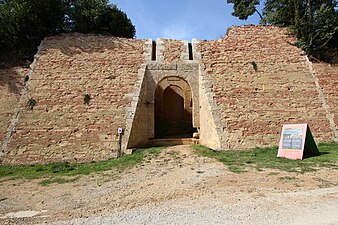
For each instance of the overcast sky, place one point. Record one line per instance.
(181, 19)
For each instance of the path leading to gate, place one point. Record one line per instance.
(177, 187)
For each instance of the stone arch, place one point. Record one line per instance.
(173, 108)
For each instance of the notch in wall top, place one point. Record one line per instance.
(153, 51)
(190, 51)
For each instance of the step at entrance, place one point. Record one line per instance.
(173, 141)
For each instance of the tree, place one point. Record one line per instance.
(279, 13)
(99, 17)
(314, 22)
(116, 22)
(24, 23)
(244, 9)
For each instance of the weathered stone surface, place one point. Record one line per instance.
(11, 84)
(61, 127)
(327, 75)
(255, 103)
(157, 66)
(243, 88)
(174, 51)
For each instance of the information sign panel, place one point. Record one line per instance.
(296, 142)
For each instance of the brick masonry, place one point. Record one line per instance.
(61, 127)
(234, 105)
(328, 81)
(11, 85)
(254, 104)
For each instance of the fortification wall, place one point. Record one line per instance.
(61, 127)
(327, 75)
(171, 51)
(243, 88)
(260, 81)
(11, 84)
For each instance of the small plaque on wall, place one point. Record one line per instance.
(296, 142)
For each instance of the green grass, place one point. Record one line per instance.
(237, 161)
(262, 158)
(56, 172)
(59, 180)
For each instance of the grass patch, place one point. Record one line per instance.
(154, 151)
(56, 172)
(59, 180)
(262, 158)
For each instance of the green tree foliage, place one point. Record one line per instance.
(24, 23)
(314, 22)
(244, 9)
(279, 13)
(99, 17)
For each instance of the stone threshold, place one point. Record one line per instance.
(172, 141)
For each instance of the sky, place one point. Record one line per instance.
(181, 19)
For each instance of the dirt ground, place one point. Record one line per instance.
(179, 183)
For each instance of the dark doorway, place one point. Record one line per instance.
(173, 104)
(172, 117)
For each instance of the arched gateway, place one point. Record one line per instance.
(173, 108)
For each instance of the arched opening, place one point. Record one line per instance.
(173, 109)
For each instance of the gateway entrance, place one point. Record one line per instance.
(173, 109)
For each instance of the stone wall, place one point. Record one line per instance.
(61, 127)
(155, 73)
(244, 87)
(210, 133)
(261, 81)
(171, 51)
(11, 85)
(327, 75)
(138, 121)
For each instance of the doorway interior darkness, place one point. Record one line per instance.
(173, 111)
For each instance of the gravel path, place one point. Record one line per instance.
(318, 207)
(177, 187)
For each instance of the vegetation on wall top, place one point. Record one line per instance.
(315, 23)
(24, 23)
